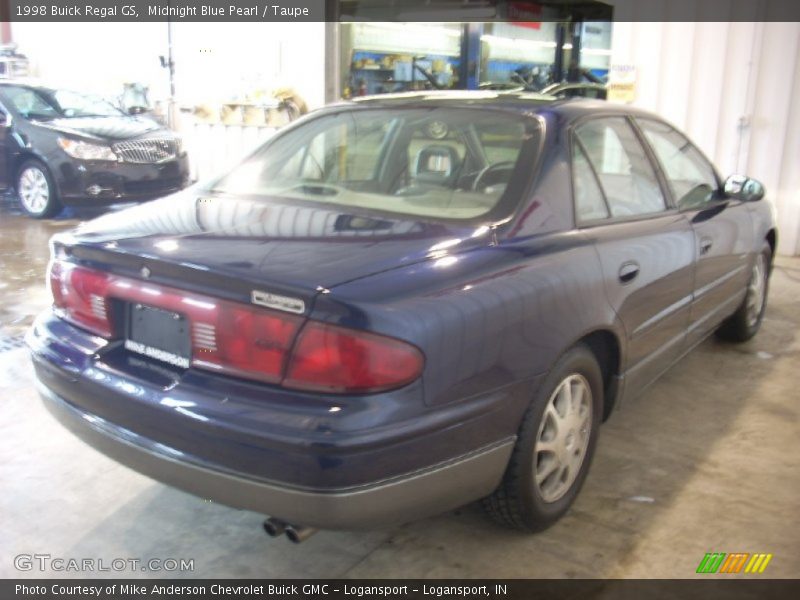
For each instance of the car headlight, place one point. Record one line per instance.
(85, 150)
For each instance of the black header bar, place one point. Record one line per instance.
(722, 587)
(397, 10)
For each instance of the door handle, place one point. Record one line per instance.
(705, 245)
(628, 271)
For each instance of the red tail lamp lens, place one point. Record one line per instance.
(333, 359)
(250, 342)
(243, 340)
(80, 294)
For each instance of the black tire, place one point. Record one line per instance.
(52, 205)
(518, 501)
(744, 324)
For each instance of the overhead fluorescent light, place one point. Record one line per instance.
(516, 42)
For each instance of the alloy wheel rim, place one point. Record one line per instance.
(34, 191)
(756, 291)
(563, 438)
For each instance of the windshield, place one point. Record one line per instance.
(435, 162)
(34, 103)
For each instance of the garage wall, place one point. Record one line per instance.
(734, 87)
(217, 61)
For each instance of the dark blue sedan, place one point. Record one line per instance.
(400, 305)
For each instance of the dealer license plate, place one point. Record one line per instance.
(159, 334)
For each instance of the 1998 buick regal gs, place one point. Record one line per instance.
(400, 305)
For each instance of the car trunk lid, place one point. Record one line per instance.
(235, 247)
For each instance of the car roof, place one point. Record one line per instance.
(511, 101)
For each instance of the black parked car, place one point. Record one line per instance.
(59, 147)
(402, 304)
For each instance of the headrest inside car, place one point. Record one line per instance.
(437, 164)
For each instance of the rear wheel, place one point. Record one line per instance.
(36, 192)
(746, 321)
(554, 447)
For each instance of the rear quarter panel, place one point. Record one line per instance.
(485, 319)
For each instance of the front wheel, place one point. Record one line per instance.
(554, 447)
(746, 321)
(36, 192)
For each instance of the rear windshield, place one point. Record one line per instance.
(432, 162)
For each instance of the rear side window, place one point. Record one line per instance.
(626, 174)
(691, 177)
(589, 202)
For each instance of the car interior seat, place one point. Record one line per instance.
(436, 165)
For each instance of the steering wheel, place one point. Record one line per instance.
(504, 167)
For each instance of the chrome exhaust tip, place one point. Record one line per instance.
(298, 534)
(274, 527)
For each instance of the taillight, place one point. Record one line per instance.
(81, 296)
(243, 340)
(333, 359)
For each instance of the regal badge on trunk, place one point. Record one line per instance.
(284, 303)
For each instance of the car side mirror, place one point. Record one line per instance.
(744, 188)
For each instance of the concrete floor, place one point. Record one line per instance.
(706, 461)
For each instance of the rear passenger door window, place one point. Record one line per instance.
(625, 173)
(691, 177)
(590, 204)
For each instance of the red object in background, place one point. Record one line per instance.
(519, 14)
(529, 24)
(5, 32)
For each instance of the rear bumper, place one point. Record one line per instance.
(425, 492)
